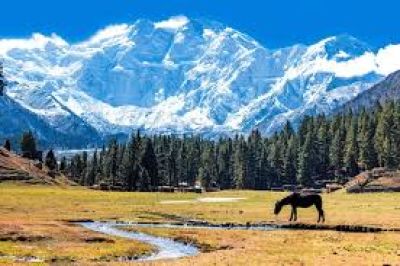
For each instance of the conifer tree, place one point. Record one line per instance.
(290, 161)
(50, 160)
(150, 165)
(7, 145)
(305, 168)
(368, 157)
(28, 145)
(351, 155)
(323, 143)
(63, 164)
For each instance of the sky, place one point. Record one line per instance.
(273, 23)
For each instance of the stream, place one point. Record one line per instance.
(166, 248)
(169, 249)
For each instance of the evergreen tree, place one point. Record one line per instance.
(351, 159)
(368, 157)
(306, 160)
(7, 145)
(150, 165)
(50, 160)
(239, 165)
(63, 164)
(336, 151)
(145, 182)
(129, 165)
(290, 161)
(323, 143)
(91, 174)
(28, 145)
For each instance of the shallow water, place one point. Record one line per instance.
(166, 248)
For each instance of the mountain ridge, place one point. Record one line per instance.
(386, 90)
(185, 75)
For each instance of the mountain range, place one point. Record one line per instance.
(177, 76)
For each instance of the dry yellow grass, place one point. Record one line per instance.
(287, 247)
(43, 210)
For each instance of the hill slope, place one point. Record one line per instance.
(388, 89)
(16, 168)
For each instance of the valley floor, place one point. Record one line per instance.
(35, 225)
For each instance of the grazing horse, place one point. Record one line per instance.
(301, 201)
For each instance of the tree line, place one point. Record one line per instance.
(322, 148)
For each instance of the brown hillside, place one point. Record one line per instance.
(16, 168)
(378, 180)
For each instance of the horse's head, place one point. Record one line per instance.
(278, 207)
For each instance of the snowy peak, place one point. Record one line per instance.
(343, 47)
(186, 75)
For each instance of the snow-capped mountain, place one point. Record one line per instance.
(184, 75)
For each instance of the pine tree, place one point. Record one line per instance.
(266, 172)
(207, 170)
(50, 160)
(150, 164)
(63, 164)
(290, 161)
(336, 151)
(351, 155)
(7, 145)
(322, 155)
(275, 157)
(368, 156)
(382, 135)
(389, 153)
(144, 182)
(306, 160)
(239, 165)
(28, 145)
(129, 165)
(91, 174)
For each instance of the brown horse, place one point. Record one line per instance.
(302, 201)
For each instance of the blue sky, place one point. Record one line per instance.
(273, 23)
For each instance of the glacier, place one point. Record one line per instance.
(180, 76)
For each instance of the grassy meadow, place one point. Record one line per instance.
(34, 222)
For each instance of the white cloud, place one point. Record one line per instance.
(109, 33)
(173, 23)
(37, 41)
(388, 59)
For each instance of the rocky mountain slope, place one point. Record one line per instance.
(179, 76)
(14, 168)
(388, 89)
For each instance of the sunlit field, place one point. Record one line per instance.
(36, 221)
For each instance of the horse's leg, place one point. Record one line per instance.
(291, 215)
(320, 212)
(295, 213)
(323, 215)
